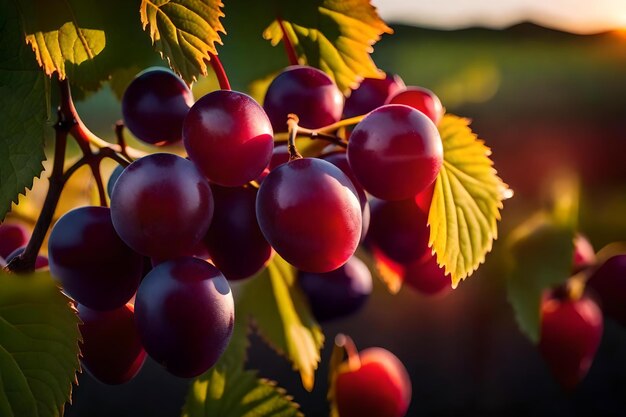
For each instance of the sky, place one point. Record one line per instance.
(580, 16)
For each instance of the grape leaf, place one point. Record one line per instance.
(184, 32)
(56, 36)
(335, 36)
(38, 346)
(282, 317)
(466, 202)
(24, 101)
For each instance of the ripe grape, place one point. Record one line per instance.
(229, 137)
(234, 240)
(427, 277)
(113, 179)
(372, 93)
(337, 293)
(609, 283)
(12, 236)
(40, 262)
(155, 104)
(570, 335)
(309, 212)
(280, 155)
(184, 312)
(421, 99)
(307, 92)
(111, 349)
(395, 152)
(92, 263)
(399, 229)
(161, 205)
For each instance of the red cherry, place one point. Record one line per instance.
(570, 335)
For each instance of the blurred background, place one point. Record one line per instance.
(545, 85)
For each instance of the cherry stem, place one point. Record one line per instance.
(354, 361)
(289, 49)
(220, 73)
(292, 124)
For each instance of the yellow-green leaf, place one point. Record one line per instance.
(38, 346)
(184, 32)
(335, 36)
(466, 202)
(282, 317)
(56, 36)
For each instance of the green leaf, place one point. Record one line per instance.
(466, 203)
(335, 36)
(278, 308)
(57, 36)
(38, 346)
(184, 32)
(24, 103)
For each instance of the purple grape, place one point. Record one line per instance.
(371, 94)
(609, 283)
(395, 152)
(113, 179)
(229, 137)
(307, 92)
(309, 212)
(92, 263)
(111, 349)
(337, 293)
(12, 236)
(234, 241)
(184, 312)
(161, 206)
(155, 104)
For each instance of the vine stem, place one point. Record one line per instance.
(289, 49)
(220, 73)
(292, 124)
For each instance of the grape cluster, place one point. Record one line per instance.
(179, 228)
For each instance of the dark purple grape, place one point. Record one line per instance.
(229, 137)
(337, 293)
(609, 283)
(92, 263)
(12, 236)
(280, 155)
(395, 152)
(155, 104)
(234, 241)
(371, 94)
(111, 349)
(113, 179)
(399, 229)
(309, 212)
(340, 160)
(161, 206)
(421, 99)
(307, 92)
(184, 312)
(40, 262)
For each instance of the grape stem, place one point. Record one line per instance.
(292, 125)
(311, 134)
(68, 123)
(343, 341)
(220, 72)
(289, 49)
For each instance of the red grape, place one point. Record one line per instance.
(234, 240)
(372, 93)
(161, 205)
(184, 312)
(92, 263)
(307, 92)
(421, 99)
(570, 335)
(427, 277)
(229, 137)
(155, 104)
(395, 152)
(12, 236)
(309, 212)
(400, 230)
(111, 349)
(337, 293)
